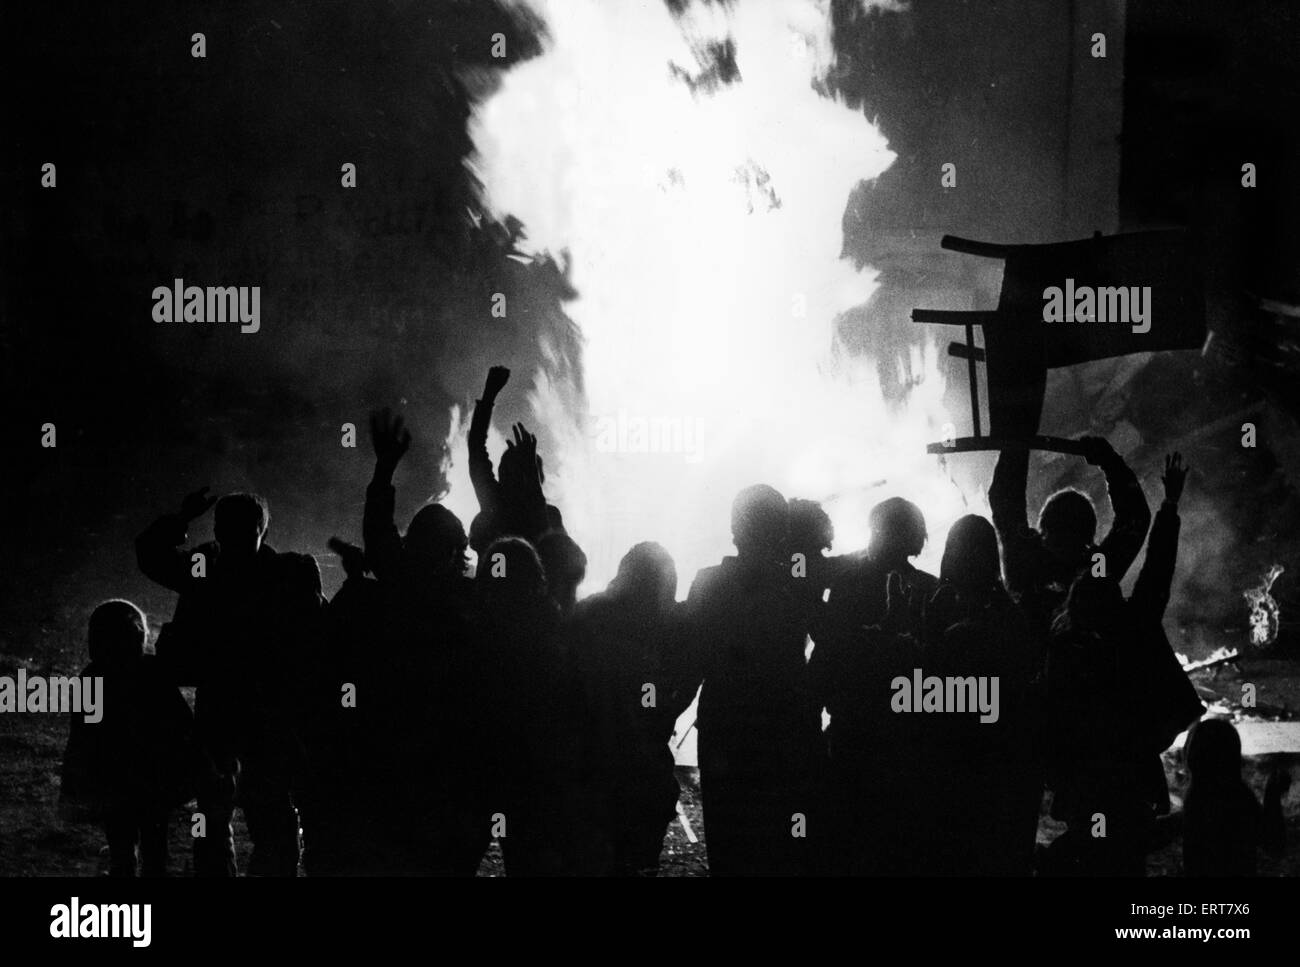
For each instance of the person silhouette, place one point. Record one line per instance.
(758, 729)
(623, 638)
(566, 568)
(246, 617)
(1041, 564)
(425, 804)
(530, 714)
(989, 771)
(1223, 823)
(1117, 698)
(857, 597)
(139, 762)
(511, 502)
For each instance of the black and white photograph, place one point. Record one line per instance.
(848, 443)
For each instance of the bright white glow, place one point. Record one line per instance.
(704, 233)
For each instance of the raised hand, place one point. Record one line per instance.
(352, 557)
(1174, 477)
(521, 468)
(520, 442)
(389, 437)
(196, 504)
(497, 378)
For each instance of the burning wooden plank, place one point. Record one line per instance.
(1221, 657)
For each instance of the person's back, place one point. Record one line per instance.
(985, 766)
(621, 638)
(341, 728)
(1101, 741)
(423, 755)
(244, 612)
(246, 619)
(529, 712)
(755, 650)
(857, 594)
(1221, 831)
(138, 762)
(422, 676)
(1040, 563)
(757, 726)
(873, 763)
(566, 568)
(1223, 824)
(982, 764)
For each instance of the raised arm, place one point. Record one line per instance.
(480, 464)
(1007, 501)
(1151, 592)
(383, 544)
(523, 505)
(1132, 514)
(160, 550)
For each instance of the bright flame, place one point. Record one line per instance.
(702, 224)
(1265, 615)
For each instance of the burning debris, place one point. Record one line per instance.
(1219, 658)
(1265, 615)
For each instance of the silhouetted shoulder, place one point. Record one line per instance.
(596, 608)
(150, 670)
(710, 578)
(298, 570)
(924, 581)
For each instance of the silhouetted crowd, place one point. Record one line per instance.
(422, 713)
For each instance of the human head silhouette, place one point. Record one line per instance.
(1213, 752)
(760, 523)
(511, 575)
(811, 530)
(565, 565)
(647, 577)
(1068, 523)
(435, 543)
(239, 523)
(117, 633)
(897, 531)
(480, 532)
(970, 554)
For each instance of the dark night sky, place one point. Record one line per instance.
(226, 170)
